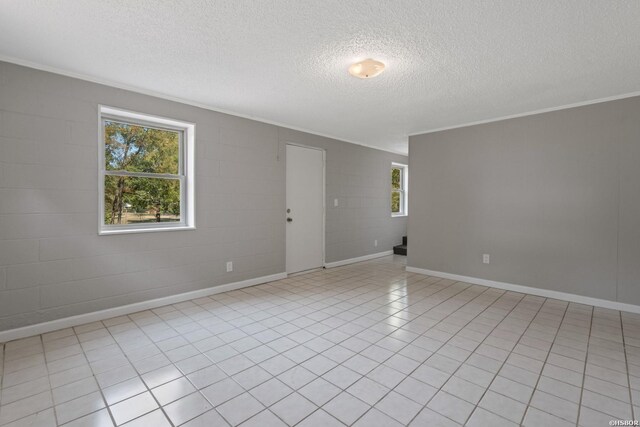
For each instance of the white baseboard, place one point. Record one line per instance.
(67, 322)
(580, 299)
(358, 259)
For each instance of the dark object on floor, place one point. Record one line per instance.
(401, 249)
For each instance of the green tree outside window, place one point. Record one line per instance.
(146, 150)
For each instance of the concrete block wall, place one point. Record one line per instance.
(53, 264)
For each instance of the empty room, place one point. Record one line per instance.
(267, 213)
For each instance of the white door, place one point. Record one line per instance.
(305, 208)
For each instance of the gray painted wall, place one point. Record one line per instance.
(554, 198)
(53, 264)
(360, 180)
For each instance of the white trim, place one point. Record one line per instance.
(357, 259)
(67, 322)
(186, 170)
(131, 88)
(547, 293)
(531, 113)
(117, 113)
(404, 190)
(147, 230)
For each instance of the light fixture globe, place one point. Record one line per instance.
(366, 69)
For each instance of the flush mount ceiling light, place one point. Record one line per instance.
(366, 69)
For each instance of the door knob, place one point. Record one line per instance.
(289, 219)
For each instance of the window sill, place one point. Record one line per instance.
(144, 230)
(399, 215)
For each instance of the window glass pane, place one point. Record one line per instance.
(396, 178)
(395, 202)
(136, 148)
(133, 200)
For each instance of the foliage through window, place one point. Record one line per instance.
(398, 190)
(144, 179)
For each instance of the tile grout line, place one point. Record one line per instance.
(52, 407)
(432, 327)
(505, 362)
(579, 360)
(46, 365)
(93, 375)
(471, 353)
(335, 305)
(169, 326)
(584, 372)
(229, 343)
(544, 364)
(466, 359)
(148, 390)
(320, 407)
(163, 352)
(445, 343)
(370, 343)
(626, 363)
(142, 330)
(320, 336)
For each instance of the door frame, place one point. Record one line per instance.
(324, 199)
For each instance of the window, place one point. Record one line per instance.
(398, 189)
(146, 173)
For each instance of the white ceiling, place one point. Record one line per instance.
(285, 61)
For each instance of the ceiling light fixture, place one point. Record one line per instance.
(366, 69)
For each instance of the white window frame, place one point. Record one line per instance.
(186, 172)
(404, 193)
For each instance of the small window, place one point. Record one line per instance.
(398, 189)
(146, 173)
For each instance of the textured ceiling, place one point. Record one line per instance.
(448, 62)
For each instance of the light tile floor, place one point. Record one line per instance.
(364, 345)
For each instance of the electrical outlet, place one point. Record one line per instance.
(486, 259)
(229, 267)
(375, 243)
(335, 202)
